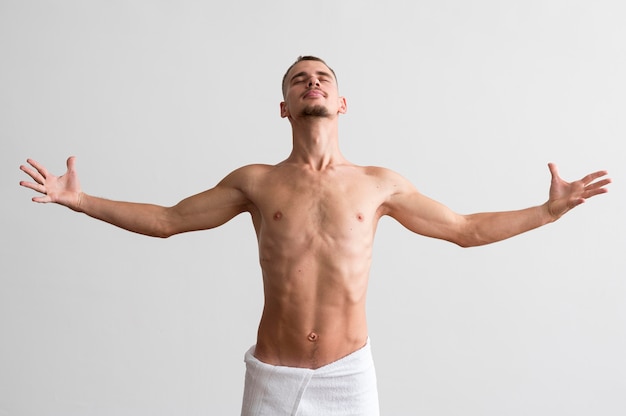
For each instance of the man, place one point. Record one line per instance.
(315, 215)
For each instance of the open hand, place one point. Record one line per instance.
(567, 195)
(64, 190)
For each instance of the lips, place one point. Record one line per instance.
(313, 94)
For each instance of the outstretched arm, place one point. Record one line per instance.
(427, 217)
(208, 209)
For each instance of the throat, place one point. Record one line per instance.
(317, 157)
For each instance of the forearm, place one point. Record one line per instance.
(490, 227)
(147, 219)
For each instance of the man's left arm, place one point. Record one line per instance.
(425, 216)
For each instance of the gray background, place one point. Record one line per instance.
(160, 100)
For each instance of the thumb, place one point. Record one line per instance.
(71, 162)
(554, 171)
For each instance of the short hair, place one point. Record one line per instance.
(305, 58)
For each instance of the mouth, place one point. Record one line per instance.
(313, 94)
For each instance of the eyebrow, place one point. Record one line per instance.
(303, 74)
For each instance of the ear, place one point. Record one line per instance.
(284, 112)
(343, 105)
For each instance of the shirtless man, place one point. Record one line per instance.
(315, 215)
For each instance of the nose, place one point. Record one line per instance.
(313, 82)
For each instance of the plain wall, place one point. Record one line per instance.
(159, 100)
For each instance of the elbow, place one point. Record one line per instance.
(472, 241)
(468, 235)
(462, 244)
(468, 244)
(156, 233)
(164, 227)
(163, 235)
(465, 243)
(469, 239)
(164, 231)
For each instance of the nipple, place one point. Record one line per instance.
(278, 215)
(359, 217)
(313, 337)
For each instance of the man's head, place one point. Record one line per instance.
(310, 90)
(305, 58)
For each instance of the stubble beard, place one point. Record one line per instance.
(315, 111)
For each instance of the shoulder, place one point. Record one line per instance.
(396, 190)
(253, 169)
(245, 174)
(387, 177)
(390, 187)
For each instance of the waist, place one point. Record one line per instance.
(309, 344)
(361, 354)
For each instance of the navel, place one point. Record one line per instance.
(278, 215)
(313, 337)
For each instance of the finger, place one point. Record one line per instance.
(593, 192)
(29, 185)
(71, 162)
(593, 176)
(40, 168)
(599, 184)
(34, 186)
(41, 199)
(32, 173)
(554, 171)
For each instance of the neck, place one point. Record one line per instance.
(315, 142)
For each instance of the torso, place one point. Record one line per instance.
(315, 232)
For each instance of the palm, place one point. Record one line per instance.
(567, 195)
(63, 189)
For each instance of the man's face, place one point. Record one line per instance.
(311, 91)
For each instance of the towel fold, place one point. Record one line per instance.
(346, 387)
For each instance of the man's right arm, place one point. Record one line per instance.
(205, 210)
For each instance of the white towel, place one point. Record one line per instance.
(344, 387)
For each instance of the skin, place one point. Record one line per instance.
(315, 216)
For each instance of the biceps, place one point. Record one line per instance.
(207, 210)
(427, 217)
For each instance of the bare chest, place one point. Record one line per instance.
(326, 204)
